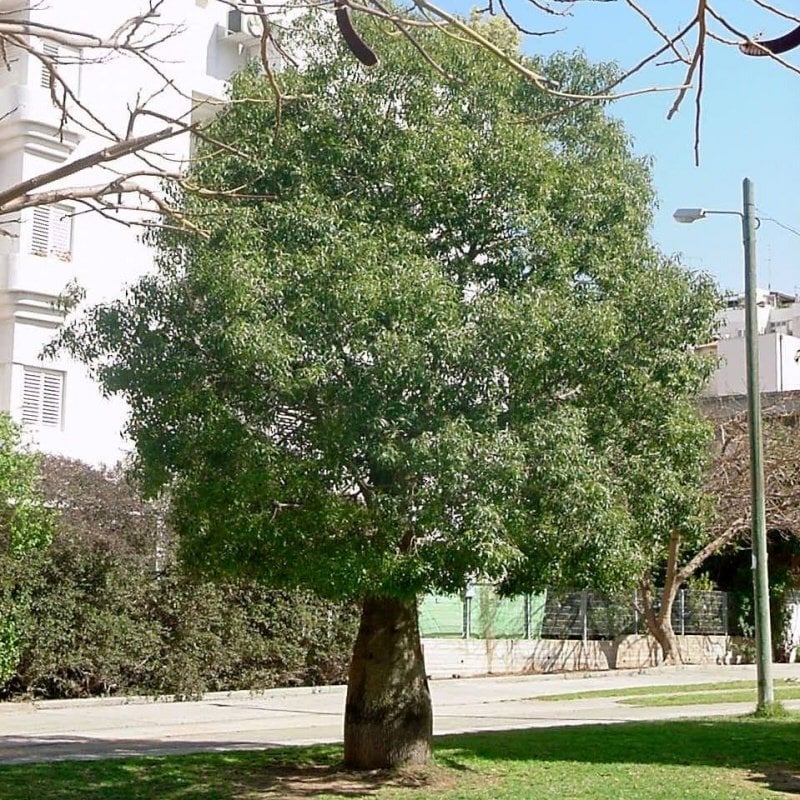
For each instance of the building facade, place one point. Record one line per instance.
(778, 346)
(45, 249)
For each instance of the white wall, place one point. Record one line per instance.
(778, 369)
(105, 255)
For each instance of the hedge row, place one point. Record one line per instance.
(105, 609)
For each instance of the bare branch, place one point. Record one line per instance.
(113, 152)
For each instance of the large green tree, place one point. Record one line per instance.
(427, 349)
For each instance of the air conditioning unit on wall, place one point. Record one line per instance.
(242, 28)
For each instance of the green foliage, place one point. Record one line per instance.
(100, 626)
(25, 528)
(99, 618)
(774, 710)
(447, 349)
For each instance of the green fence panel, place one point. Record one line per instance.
(493, 617)
(536, 613)
(441, 615)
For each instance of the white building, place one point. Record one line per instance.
(778, 345)
(50, 246)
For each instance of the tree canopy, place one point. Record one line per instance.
(437, 342)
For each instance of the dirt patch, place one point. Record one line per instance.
(301, 782)
(785, 781)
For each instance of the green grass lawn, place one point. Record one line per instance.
(705, 698)
(639, 691)
(688, 694)
(714, 759)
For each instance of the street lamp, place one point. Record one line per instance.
(766, 694)
(689, 214)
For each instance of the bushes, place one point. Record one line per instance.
(101, 618)
(115, 628)
(25, 528)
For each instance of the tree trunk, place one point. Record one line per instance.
(660, 625)
(388, 719)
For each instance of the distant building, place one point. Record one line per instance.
(47, 247)
(778, 345)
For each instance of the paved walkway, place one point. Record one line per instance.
(115, 727)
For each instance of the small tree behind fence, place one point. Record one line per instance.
(480, 613)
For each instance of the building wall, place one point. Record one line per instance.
(104, 255)
(779, 365)
(778, 347)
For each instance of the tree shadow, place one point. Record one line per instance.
(237, 774)
(764, 752)
(769, 752)
(779, 780)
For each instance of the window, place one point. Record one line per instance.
(51, 51)
(42, 397)
(66, 61)
(778, 327)
(51, 232)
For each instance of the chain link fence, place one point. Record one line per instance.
(481, 613)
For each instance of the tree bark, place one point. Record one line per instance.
(388, 720)
(660, 625)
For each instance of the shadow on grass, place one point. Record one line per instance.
(768, 750)
(287, 773)
(779, 780)
(764, 751)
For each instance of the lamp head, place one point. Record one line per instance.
(687, 215)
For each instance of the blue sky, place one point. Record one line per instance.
(750, 128)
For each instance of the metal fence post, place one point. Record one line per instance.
(683, 612)
(584, 616)
(467, 610)
(725, 613)
(527, 606)
(636, 611)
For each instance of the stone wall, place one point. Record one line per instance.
(446, 658)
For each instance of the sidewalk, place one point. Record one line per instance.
(117, 727)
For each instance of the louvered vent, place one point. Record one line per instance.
(42, 397)
(61, 232)
(51, 232)
(51, 51)
(40, 235)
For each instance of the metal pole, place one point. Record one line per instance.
(766, 694)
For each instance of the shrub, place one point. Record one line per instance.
(110, 611)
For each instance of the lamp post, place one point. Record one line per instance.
(766, 694)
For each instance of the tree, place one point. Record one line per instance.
(719, 477)
(677, 519)
(121, 174)
(25, 526)
(58, 51)
(124, 146)
(427, 361)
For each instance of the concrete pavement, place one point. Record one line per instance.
(117, 727)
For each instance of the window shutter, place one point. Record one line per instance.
(31, 394)
(51, 232)
(61, 232)
(52, 391)
(42, 397)
(40, 236)
(67, 62)
(50, 50)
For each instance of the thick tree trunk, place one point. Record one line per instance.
(660, 624)
(388, 718)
